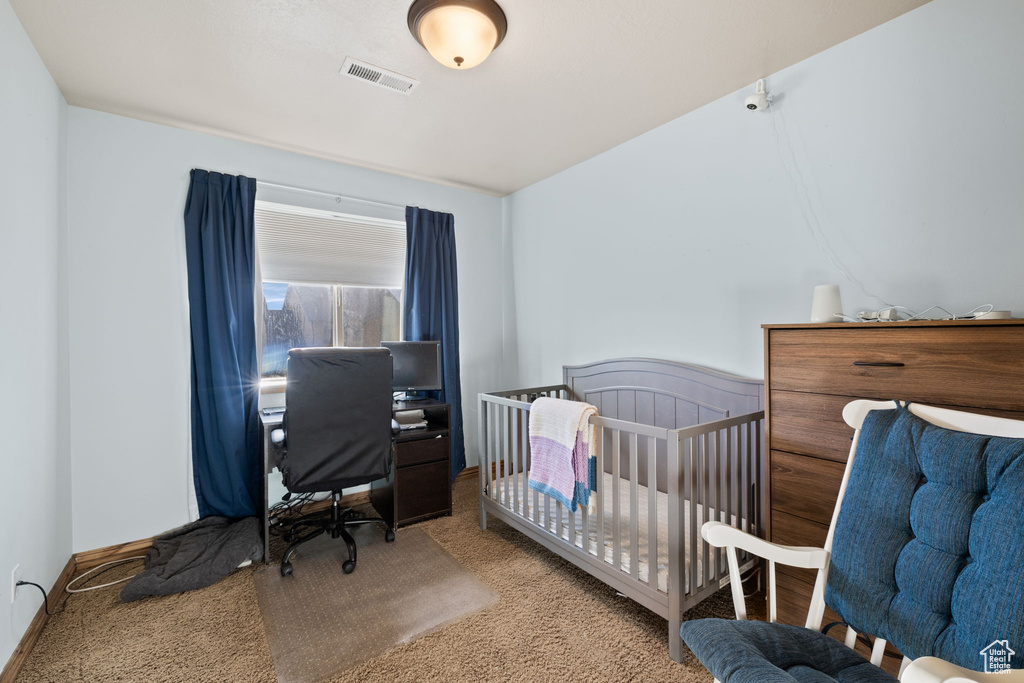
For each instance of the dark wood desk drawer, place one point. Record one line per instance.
(957, 366)
(423, 490)
(421, 451)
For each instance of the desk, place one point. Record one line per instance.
(419, 486)
(271, 454)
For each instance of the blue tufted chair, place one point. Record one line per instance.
(925, 550)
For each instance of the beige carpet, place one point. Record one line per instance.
(552, 622)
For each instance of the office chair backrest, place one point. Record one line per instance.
(337, 418)
(928, 538)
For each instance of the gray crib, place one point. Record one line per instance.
(677, 445)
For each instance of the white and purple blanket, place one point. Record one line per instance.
(562, 450)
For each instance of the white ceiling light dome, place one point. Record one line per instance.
(458, 33)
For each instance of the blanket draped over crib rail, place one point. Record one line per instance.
(562, 442)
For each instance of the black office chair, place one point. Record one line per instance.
(336, 434)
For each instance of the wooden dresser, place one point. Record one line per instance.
(812, 371)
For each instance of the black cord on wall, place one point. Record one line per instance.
(46, 600)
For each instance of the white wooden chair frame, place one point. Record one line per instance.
(922, 670)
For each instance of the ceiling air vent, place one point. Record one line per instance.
(378, 76)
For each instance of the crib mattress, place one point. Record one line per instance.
(608, 554)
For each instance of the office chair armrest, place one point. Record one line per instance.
(721, 535)
(277, 437)
(935, 670)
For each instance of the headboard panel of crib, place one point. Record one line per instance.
(662, 394)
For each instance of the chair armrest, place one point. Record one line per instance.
(935, 670)
(720, 534)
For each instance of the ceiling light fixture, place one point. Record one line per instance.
(458, 33)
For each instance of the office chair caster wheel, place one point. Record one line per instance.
(348, 566)
(389, 536)
(286, 569)
(289, 537)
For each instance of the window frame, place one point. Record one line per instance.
(277, 385)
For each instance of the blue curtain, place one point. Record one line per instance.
(219, 243)
(432, 306)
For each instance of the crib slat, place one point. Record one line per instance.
(652, 512)
(749, 478)
(496, 455)
(634, 507)
(743, 505)
(485, 438)
(558, 518)
(616, 512)
(499, 464)
(700, 481)
(485, 450)
(502, 439)
(675, 496)
(721, 489)
(492, 480)
(570, 522)
(525, 430)
(753, 474)
(730, 477)
(757, 461)
(499, 480)
(536, 506)
(692, 477)
(514, 417)
(547, 514)
(506, 460)
(710, 504)
(600, 493)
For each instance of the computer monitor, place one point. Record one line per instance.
(417, 365)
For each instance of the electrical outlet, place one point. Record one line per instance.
(15, 578)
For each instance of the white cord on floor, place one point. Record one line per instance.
(78, 578)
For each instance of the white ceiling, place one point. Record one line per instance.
(573, 78)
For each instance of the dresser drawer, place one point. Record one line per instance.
(420, 451)
(810, 424)
(788, 529)
(958, 366)
(804, 486)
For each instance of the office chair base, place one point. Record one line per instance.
(335, 524)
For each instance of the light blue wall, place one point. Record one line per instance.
(905, 142)
(129, 314)
(35, 488)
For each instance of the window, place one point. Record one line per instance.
(299, 315)
(329, 279)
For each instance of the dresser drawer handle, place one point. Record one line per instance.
(879, 364)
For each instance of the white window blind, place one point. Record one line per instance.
(312, 246)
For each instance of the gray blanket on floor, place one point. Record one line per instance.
(195, 556)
